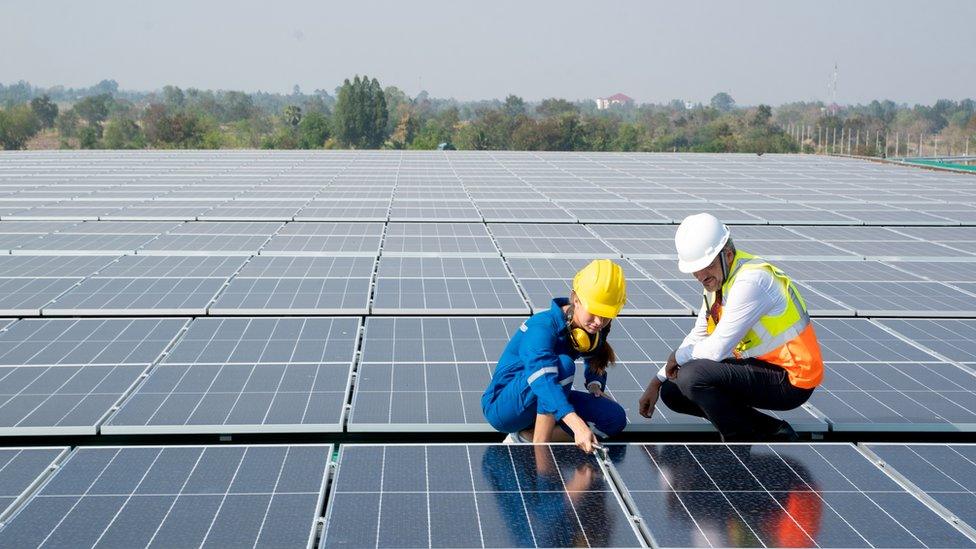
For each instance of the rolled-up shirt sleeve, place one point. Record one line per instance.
(754, 294)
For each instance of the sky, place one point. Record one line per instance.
(758, 51)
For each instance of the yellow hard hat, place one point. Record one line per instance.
(601, 288)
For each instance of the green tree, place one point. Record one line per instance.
(123, 133)
(293, 115)
(67, 123)
(17, 126)
(184, 130)
(722, 102)
(88, 136)
(361, 114)
(762, 116)
(555, 107)
(514, 106)
(237, 106)
(45, 109)
(313, 131)
(173, 97)
(94, 108)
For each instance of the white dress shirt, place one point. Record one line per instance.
(754, 293)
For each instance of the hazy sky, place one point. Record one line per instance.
(758, 51)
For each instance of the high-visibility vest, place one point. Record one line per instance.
(787, 339)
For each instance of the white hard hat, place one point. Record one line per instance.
(699, 239)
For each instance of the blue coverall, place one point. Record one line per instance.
(535, 376)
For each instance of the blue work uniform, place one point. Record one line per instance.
(535, 376)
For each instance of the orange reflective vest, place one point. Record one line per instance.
(786, 339)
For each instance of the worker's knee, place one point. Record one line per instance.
(671, 395)
(612, 418)
(696, 375)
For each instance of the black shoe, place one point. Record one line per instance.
(784, 433)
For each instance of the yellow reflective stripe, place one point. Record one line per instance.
(771, 343)
(774, 331)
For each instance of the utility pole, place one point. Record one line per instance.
(896, 145)
(908, 144)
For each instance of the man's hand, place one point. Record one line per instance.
(648, 400)
(671, 367)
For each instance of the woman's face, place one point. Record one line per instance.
(592, 324)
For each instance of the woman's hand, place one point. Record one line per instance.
(648, 400)
(583, 437)
(594, 389)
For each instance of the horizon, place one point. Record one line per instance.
(759, 51)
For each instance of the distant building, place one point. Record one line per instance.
(603, 103)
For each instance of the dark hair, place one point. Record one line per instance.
(603, 356)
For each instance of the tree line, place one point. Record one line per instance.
(362, 114)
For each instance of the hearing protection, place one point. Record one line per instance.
(581, 340)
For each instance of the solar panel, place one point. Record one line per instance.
(427, 374)
(26, 296)
(247, 375)
(186, 266)
(438, 240)
(345, 210)
(178, 496)
(407, 285)
(21, 470)
(941, 473)
(899, 298)
(773, 496)
(204, 244)
(244, 210)
(242, 228)
(257, 296)
(50, 266)
(620, 211)
(64, 376)
(474, 496)
(951, 338)
(940, 271)
(861, 340)
(433, 210)
(851, 271)
(328, 239)
(137, 296)
(83, 244)
(886, 396)
(523, 211)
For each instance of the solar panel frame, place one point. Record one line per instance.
(351, 501)
(82, 523)
(41, 461)
(737, 485)
(117, 296)
(936, 473)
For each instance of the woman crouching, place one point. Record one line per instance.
(531, 393)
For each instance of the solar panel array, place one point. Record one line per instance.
(222, 293)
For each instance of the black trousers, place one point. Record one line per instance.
(728, 393)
